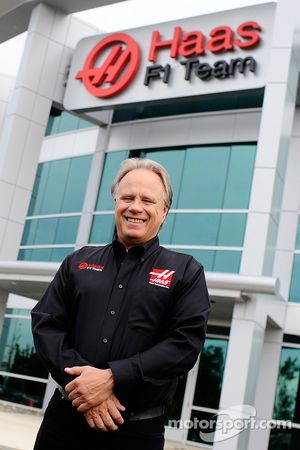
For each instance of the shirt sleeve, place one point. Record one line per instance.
(50, 319)
(178, 350)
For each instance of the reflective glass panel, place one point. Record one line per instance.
(102, 229)
(166, 232)
(295, 280)
(75, 185)
(44, 254)
(62, 121)
(232, 230)
(60, 186)
(62, 230)
(173, 161)
(55, 187)
(216, 260)
(227, 261)
(17, 353)
(210, 373)
(204, 177)
(201, 427)
(35, 254)
(284, 439)
(25, 392)
(209, 229)
(239, 177)
(197, 229)
(287, 401)
(111, 166)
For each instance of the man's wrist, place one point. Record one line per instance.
(110, 379)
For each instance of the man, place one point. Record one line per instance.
(118, 325)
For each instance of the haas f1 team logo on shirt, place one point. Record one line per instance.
(161, 277)
(86, 266)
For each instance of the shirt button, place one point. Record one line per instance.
(120, 286)
(112, 312)
(104, 340)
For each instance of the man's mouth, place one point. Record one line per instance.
(134, 220)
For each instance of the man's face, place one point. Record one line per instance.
(140, 207)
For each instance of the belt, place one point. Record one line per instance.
(149, 413)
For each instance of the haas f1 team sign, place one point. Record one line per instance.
(214, 53)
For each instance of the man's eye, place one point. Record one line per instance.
(148, 201)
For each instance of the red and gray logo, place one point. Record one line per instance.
(120, 61)
(161, 277)
(87, 266)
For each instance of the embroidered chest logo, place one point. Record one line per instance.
(161, 277)
(87, 266)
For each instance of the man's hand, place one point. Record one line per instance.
(90, 388)
(106, 417)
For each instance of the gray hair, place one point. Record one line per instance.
(136, 163)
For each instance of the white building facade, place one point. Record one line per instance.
(218, 105)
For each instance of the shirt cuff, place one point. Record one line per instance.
(126, 372)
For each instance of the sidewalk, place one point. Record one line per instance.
(18, 429)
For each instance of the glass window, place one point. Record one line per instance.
(287, 400)
(110, 169)
(39, 188)
(17, 353)
(60, 186)
(287, 439)
(56, 230)
(102, 229)
(66, 230)
(253, 99)
(295, 280)
(75, 185)
(44, 254)
(18, 311)
(54, 187)
(35, 254)
(232, 230)
(203, 425)
(227, 261)
(198, 229)
(62, 121)
(239, 177)
(210, 373)
(165, 233)
(209, 229)
(26, 392)
(173, 161)
(204, 177)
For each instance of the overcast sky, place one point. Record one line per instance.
(127, 14)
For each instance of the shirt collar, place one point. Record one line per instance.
(141, 250)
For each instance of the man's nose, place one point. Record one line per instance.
(136, 205)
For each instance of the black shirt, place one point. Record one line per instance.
(143, 313)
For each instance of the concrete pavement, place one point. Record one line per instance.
(18, 429)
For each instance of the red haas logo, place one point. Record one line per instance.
(161, 277)
(118, 68)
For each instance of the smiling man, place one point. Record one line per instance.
(119, 324)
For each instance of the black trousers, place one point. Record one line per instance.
(64, 428)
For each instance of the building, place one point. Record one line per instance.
(219, 106)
